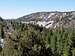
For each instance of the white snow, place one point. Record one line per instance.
(1, 43)
(1, 40)
(24, 22)
(45, 24)
(50, 25)
(51, 15)
(50, 22)
(41, 23)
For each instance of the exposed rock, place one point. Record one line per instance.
(65, 19)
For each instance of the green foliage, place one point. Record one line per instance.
(32, 40)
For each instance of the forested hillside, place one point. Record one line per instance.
(38, 34)
(32, 40)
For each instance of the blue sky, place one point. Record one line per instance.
(17, 8)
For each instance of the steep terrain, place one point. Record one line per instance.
(50, 19)
(25, 37)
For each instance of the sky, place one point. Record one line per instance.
(10, 9)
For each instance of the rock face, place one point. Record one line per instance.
(50, 19)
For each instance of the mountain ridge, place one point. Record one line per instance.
(51, 19)
(58, 18)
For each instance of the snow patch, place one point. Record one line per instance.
(51, 15)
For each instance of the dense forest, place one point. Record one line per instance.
(32, 40)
